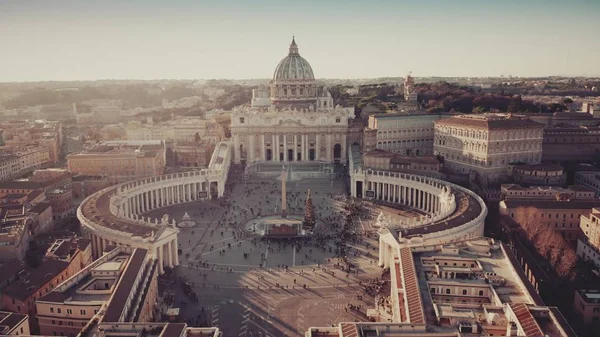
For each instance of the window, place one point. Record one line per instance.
(480, 292)
(53, 322)
(69, 311)
(242, 120)
(58, 310)
(464, 292)
(82, 311)
(337, 120)
(448, 291)
(51, 309)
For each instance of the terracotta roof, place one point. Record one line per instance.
(173, 330)
(411, 287)
(489, 123)
(349, 330)
(526, 320)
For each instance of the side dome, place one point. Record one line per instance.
(293, 67)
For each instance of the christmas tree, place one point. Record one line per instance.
(309, 212)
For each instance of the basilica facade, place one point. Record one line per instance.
(294, 120)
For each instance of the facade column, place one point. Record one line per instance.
(329, 148)
(273, 149)
(263, 156)
(277, 146)
(344, 148)
(285, 152)
(295, 147)
(250, 152)
(237, 155)
(317, 147)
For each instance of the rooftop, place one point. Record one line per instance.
(31, 280)
(590, 296)
(9, 321)
(119, 298)
(490, 122)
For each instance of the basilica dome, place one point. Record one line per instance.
(293, 67)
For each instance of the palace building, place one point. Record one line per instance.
(296, 121)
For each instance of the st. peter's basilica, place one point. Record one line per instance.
(295, 121)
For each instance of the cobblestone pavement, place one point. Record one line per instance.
(253, 287)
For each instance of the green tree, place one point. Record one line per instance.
(309, 213)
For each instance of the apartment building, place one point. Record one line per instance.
(120, 160)
(407, 133)
(560, 209)
(485, 145)
(121, 286)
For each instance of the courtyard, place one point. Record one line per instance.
(249, 285)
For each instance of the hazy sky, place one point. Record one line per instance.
(134, 39)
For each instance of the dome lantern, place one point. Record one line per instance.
(293, 46)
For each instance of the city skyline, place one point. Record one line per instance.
(81, 40)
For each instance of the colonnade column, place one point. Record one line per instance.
(174, 253)
(167, 247)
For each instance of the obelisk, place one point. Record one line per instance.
(283, 192)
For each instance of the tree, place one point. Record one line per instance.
(309, 212)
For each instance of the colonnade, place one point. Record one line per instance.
(405, 195)
(165, 196)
